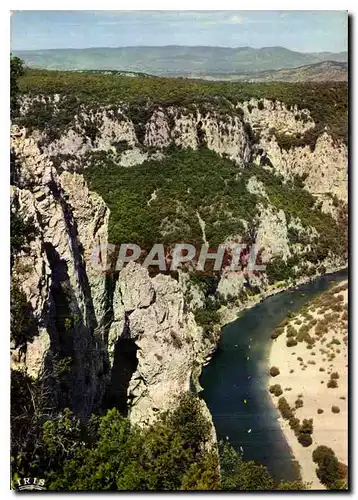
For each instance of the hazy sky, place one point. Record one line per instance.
(306, 31)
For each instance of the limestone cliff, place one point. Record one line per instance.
(133, 339)
(146, 318)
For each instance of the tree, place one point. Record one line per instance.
(237, 475)
(16, 71)
(320, 452)
(22, 231)
(292, 486)
(22, 322)
(330, 472)
(305, 439)
(108, 453)
(204, 475)
(274, 371)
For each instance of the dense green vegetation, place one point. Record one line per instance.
(330, 472)
(108, 453)
(328, 102)
(169, 455)
(187, 183)
(16, 71)
(23, 326)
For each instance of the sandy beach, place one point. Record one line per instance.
(316, 361)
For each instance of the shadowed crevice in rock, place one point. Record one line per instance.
(124, 365)
(79, 262)
(76, 357)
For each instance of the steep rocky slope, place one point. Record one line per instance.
(102, 315)
(131, 339)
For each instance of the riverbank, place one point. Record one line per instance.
(231, 313)
(235, 381)
(228, 314)
(311, 355)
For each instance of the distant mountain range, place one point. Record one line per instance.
(174, 60)
(326, 71)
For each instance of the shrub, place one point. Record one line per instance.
(304, 439)
(307, 426)
(320, 453)
(276, 390)
(335, 409)
(332, 384)
(285, 409)
(291, 342)
(335, 375)
(207, 318)
(298, 403)
(302, 333)
(276, 333)
(274, 371)
(176, 339)
(292, 486)
(291, 331)
(319, 411)
(295, 424)
(329, 470)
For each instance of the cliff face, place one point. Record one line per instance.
(244, 132)
(325, 168)
(132, 339)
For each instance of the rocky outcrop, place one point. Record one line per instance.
(132, 339)
(265, 115)
(55, 280)
(122, 131)
(169, 345)
(325, 168)
(71, 296)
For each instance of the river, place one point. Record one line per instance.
(235, 382)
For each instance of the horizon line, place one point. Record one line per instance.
(180, 45)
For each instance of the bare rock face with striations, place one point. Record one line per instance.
(152, 312)
(59, 277)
